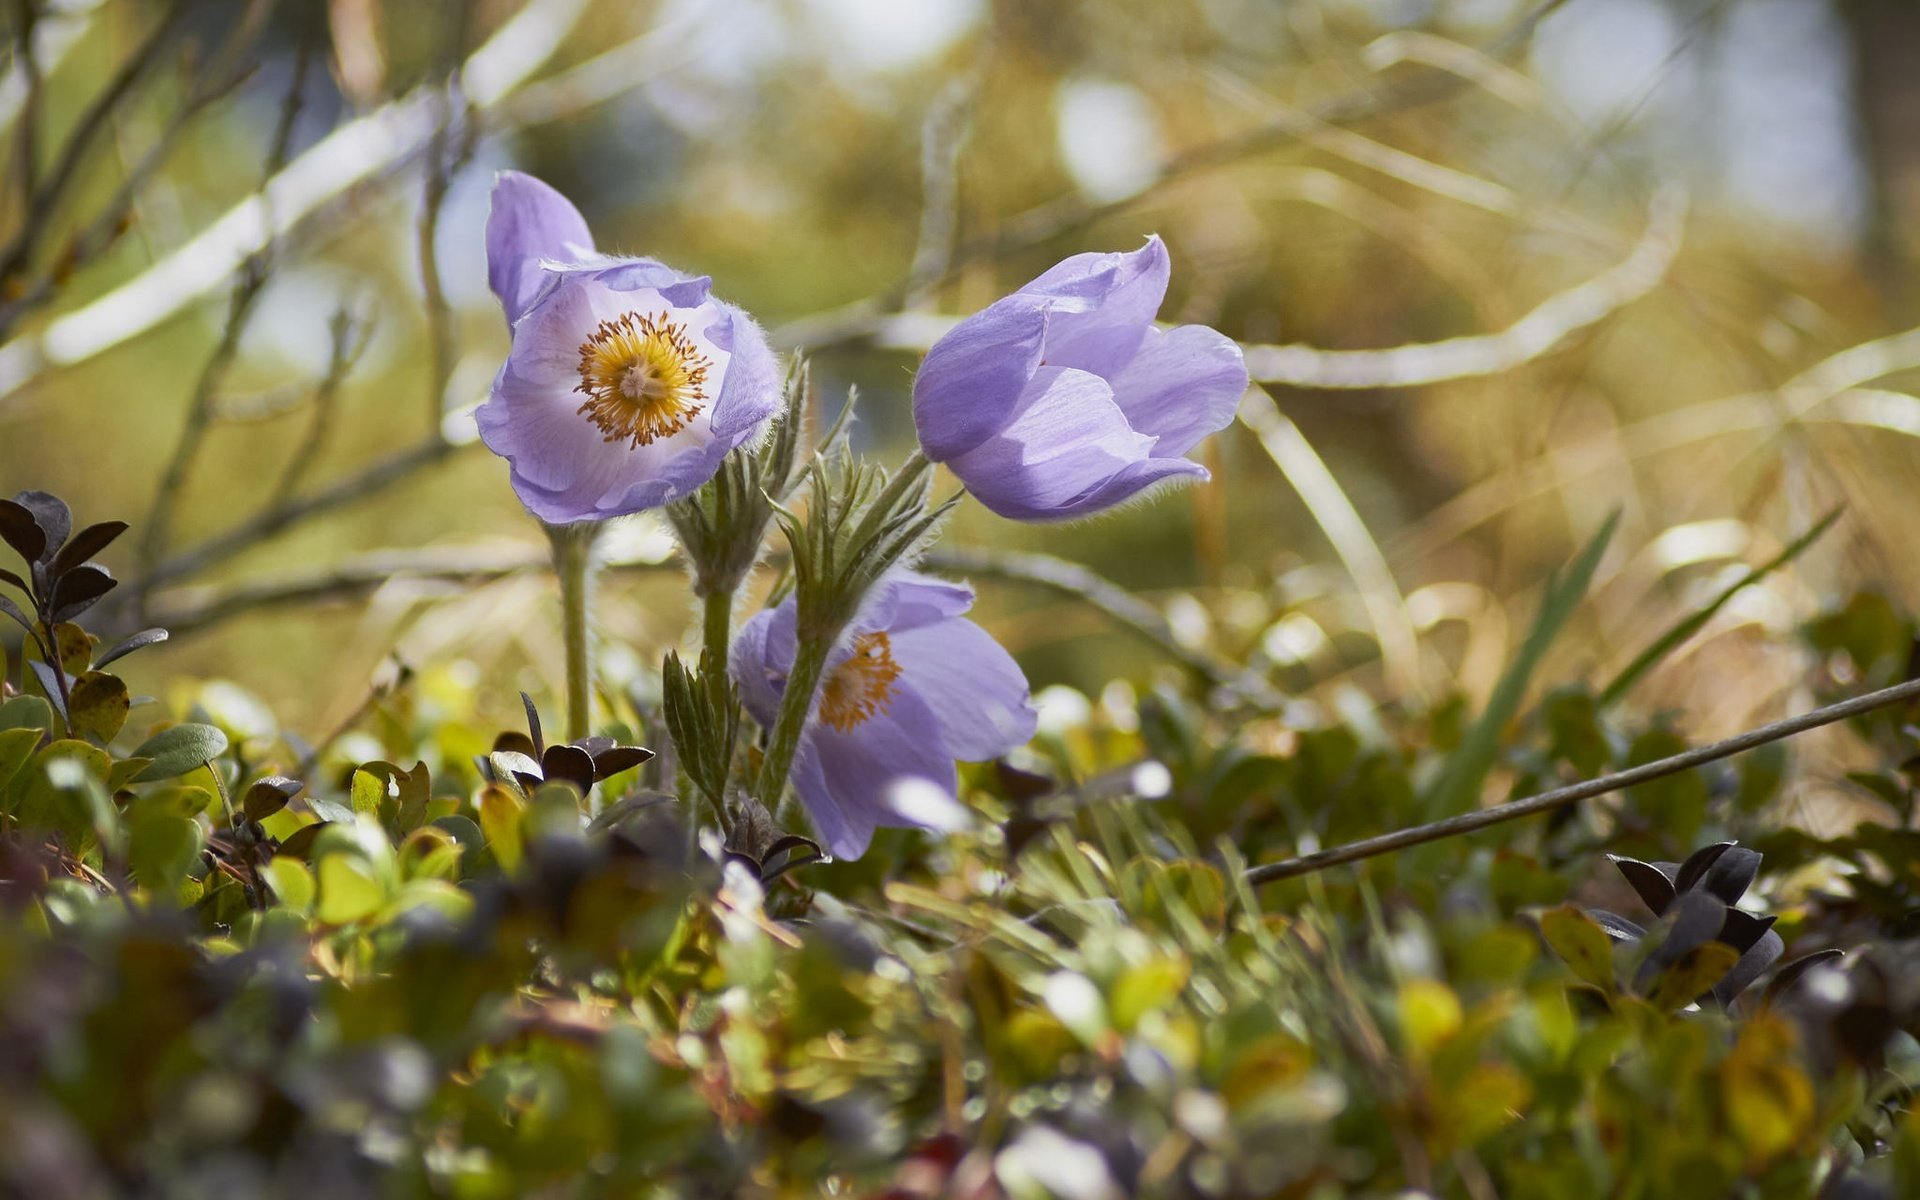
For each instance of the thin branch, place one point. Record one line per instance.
(942, 134)
(1534, 335)
(445, 157)
(189, 609)
(350, 338)
(44, 200)
(26, 151)
(55, 33)
(246, 293)
(1471, 822)
(364, 149)
(360, 485)
(1056, 218)
(1138, 617)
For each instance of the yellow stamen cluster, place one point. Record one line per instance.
(862, 686)
(643, 378)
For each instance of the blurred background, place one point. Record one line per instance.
(1502, 267)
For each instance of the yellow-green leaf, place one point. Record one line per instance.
(348, 890)
(1581, 944)
(98, 706)
(1692, 975)
(292, 882)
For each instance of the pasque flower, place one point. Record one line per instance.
(1063, 399)
(627, 382)
(912, 687)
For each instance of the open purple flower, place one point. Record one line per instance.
(1063, 399)
(627, 382)
(913, 687)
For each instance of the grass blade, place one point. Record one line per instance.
(1459, 785)
(1671, 640)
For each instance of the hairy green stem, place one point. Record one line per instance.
(573, 563)
(717, 631)
(809, 663)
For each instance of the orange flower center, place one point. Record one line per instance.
(642, 377)
(862, 686)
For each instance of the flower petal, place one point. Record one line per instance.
(906, 600)
(973, 687)
(1132, 482)
(859, 768)
(845, 833)
(971, 381)
(1183, 385)
(1067, 441)
(622, 274)
(762, 656)
(527, 222)
(1102, 305)
(751, 391)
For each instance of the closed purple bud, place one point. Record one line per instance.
(627, 382)
(914, 687)
(1063, 399)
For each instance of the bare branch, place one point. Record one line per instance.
(360, 150)
(1538, 333)
(246, 292)
(1073, 580)
(1513, 810)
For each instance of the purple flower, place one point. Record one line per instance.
(913, 687)
(627, 383)
(1063, 399)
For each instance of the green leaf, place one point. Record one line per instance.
(1581, 944)
(161, 848)
(368, 791)
(16, 746)
(500, 813)
(124, 769)
(1458, 788)
(349, 891)
(1691, 624)
(292, 882)
(1692, 975)
(178, 750)
(26, 712)
(98, 706)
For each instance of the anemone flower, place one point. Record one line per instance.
(1062, 399)
(912, 687)
(627, 382)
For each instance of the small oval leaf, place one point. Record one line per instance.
(179, 749)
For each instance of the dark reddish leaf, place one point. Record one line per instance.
(51, 515)
(1698, 863)
(533, 725)
(85, 544)
(19, 529)
(1732, 874)
(268, 796)
(50, 684)
(1762, 954)
(618, 759)
(80, 589)
(1796, 970)
(1655, 889)
(1618, 927)
(299, 843)
(570, 763)
(518, 743)
(13, 610)
(146, 637)
(1742, 930)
